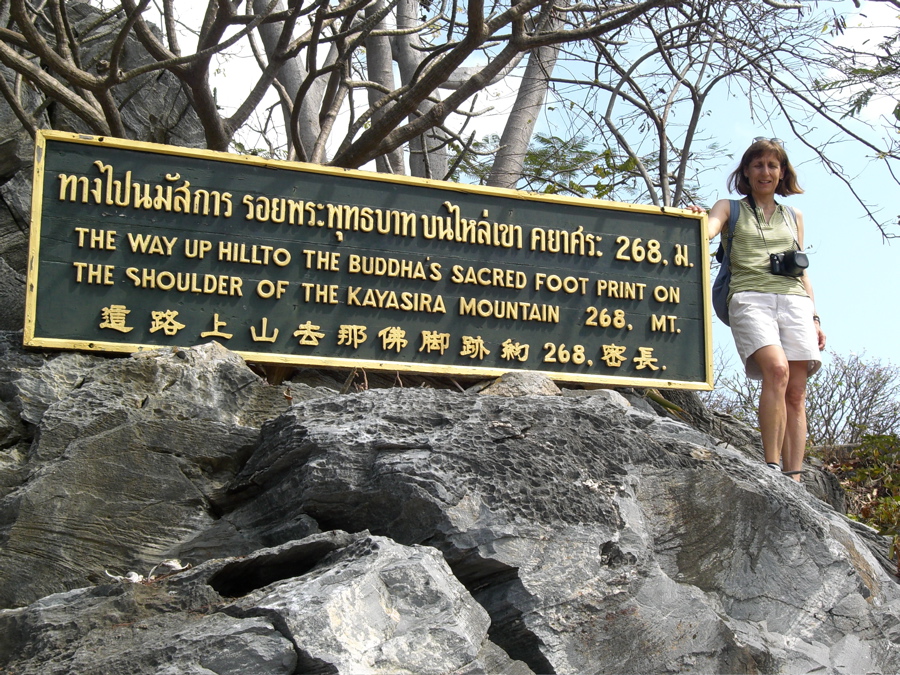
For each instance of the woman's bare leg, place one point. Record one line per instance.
(772, 405)
(794, 446)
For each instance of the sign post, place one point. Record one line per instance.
(136, 246)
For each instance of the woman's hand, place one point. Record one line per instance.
(821, 336)
(718, 215)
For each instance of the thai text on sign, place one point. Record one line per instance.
(137, 246)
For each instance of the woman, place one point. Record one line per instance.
(773, 319)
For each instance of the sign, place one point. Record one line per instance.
(137, 246)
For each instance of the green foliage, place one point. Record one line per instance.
(553, 165)
(850, 397)
(868, 75)
(266, 153)
(472, 164)
(871, 478)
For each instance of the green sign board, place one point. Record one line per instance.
(137, 246)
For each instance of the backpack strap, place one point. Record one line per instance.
(796, 232)
(724, 252)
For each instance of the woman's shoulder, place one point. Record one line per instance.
(728, 202)
(722, 207)
(794, 210)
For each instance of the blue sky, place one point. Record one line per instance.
(853, 270)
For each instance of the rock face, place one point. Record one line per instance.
(153, 108)
(12, 298)
(406, 530)
(331, 603)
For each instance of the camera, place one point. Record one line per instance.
(789, 263)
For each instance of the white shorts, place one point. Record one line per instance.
(762, 319)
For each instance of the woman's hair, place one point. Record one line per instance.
(787, 186)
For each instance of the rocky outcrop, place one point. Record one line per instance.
(12, 298)
(333, 602)
(406, 530)
(130, 452)
(153, 108)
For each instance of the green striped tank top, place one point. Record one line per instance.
(754, 239)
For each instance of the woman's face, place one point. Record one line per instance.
(764, 173)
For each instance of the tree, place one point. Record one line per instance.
(849, 399)
(646, 94)
(397, 82)
(552, 165)
(321, 57)
(868, 71)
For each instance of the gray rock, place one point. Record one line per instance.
(12, 298)
(377, 606)
(598, 539)
(819, 482)
(610, 395)
(521, 384)
(129, 456)
(30, 382)
(15, 213)
(334, 603)
(551, 534)
(10, 163)
(164, 627)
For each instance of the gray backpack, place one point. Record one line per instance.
(723, 255)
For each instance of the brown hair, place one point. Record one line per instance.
(787, 186)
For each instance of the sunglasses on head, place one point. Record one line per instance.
(776, 141)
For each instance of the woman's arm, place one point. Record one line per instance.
(718, 216)
(807, 282)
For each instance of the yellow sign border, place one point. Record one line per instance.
(29, 339)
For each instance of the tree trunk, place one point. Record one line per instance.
(519, 127)
(379, 64)
(291, 76)
(426, 158)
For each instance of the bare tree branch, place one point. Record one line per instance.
(55, 89)
(636, 76)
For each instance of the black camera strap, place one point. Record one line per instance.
(752, 202)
